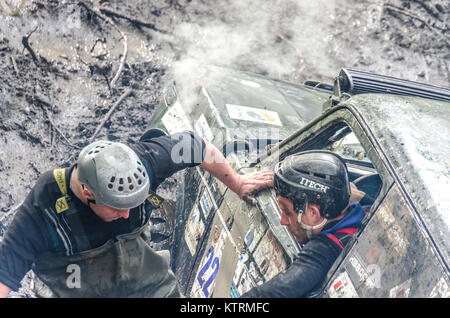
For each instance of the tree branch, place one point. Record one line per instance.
(28, 47)
(111, 110)
(124, 38)
(112, 12)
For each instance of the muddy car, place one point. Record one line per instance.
(395, 138)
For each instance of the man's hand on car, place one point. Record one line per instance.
(253, 182)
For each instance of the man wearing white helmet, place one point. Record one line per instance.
(81, 229)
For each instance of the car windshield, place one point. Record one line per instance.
(347, 145)
(415, 134)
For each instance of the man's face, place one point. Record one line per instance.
(109, 214)
(105, 212)
(289, 218)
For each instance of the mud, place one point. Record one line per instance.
(59, 59)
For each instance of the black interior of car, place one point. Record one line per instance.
(370, 184)
(360, 170)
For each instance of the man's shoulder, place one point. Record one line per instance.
(49, 178)
(47, 188)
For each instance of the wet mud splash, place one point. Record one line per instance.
(65, 64)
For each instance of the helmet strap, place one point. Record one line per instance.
(89, 201)
(309, 228)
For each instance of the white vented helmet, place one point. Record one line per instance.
(114, 174)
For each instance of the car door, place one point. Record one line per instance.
(391, 254)
(392, 257)
(340, 131)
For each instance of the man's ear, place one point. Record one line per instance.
(87, 193)
(314, 209)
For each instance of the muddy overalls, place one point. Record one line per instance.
(125, 266)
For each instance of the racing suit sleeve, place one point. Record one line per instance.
(168, 154)
(305, 273)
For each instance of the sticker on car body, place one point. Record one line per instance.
(194, 230)
(205, 279)
(393, 230)
(401, 290)
(242, 280)
(253, 114)
(175, 119)
(342, 287)
(250, 83)
(269, 257)
(441, 289)
(370, 275)
(206, 204)
(202, 128)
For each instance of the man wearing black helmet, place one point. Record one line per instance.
(322, 210)
(81, 229)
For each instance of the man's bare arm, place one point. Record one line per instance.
(4, 290)
(243, 185)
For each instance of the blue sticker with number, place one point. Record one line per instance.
(212, 262)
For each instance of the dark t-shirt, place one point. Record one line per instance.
(37, 229)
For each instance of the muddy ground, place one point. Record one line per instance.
(63, 64)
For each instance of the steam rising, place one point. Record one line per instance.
(281, 39)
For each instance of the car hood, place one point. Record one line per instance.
(248, 104)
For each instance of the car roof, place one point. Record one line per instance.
(414, 134)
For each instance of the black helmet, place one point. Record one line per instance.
(315, 176)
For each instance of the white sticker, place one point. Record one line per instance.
(194, 231)
(371, 275)
(401, 291)
(249, 237)
(202, 128)
(245, 282)
(206, 204)
(342, 287)
(175, 119)
(253, 235)
(205, 280)
(268, 255)
(239, 268)
(440, 290)
(250, 83)
(253, 114)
